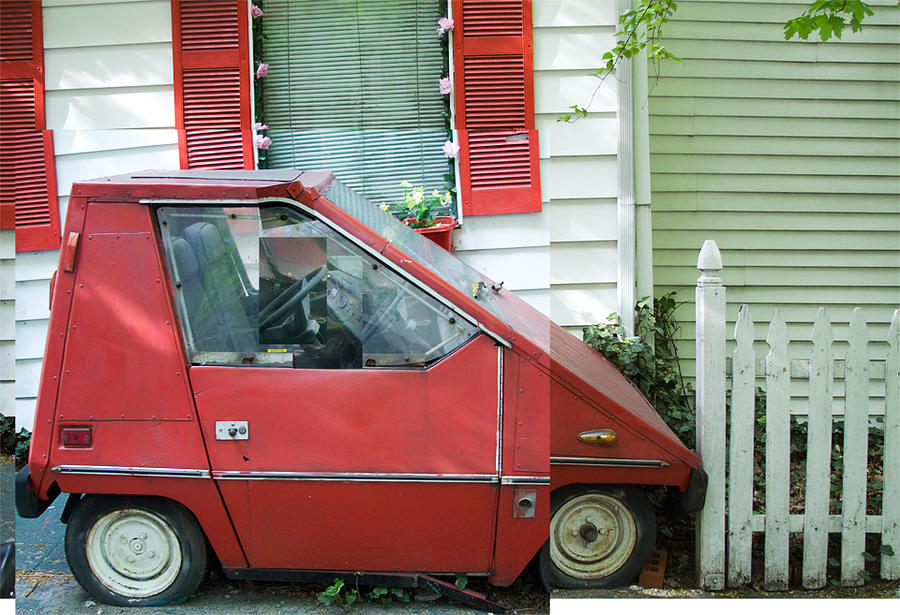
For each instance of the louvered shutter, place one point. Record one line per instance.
(494, 84)
(211, 49)
(28, 200)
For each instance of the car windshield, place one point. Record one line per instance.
(451, 269)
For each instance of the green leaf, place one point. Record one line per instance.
(462, 579)
(868, 557)
(887, 549)
(833, 562)
(865, 576)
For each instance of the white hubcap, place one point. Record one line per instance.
(591, 536)
(133, 552)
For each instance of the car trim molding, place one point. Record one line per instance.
(525, 480)
(356, 477)
(609, 462)
(132, 471)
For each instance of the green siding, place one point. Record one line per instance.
(788, 155)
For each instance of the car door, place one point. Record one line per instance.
(350, 417)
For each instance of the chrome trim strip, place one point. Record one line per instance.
(600, 461)
(357, 477)
(131, 471)
(525, 480)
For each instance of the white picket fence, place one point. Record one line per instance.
(727, 523)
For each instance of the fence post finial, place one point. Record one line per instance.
(710, 264)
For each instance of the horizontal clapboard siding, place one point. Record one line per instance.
(563, 259)
(786, 154)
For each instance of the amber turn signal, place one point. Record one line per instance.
(598, 437)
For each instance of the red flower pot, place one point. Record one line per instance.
(440, 233)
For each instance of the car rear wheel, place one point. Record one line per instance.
(599, 537)
(135, 550)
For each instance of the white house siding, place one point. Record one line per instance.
(787, 154)
(110, 102)
(563, 259)
(7, 322)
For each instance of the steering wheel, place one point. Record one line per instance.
(279, 308)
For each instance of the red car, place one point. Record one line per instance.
(266, 367)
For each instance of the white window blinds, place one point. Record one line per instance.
(352, 87)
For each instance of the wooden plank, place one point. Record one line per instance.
(827, 127)
(518, 269)
(764, 184)
(710, 405)
(583, 177)
(855, 449)
(100, 24)
(502, 232)
(583, 263)
(113, 108)
(105, 67)
(555, 91)
(777, 498)
(890, 503)
(777, 239)
(873, 523)
(818, 463)
(773, 201)
(568, 47)
(789, 146)
(573, 13)
(850, 51)
(76, 167)
(717, 68)
(771, 164)
(581, 220)
(740, 464)
(778, 88)
(589, 136)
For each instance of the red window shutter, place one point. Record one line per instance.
(28, 200)
(494, 85)
(210, 43)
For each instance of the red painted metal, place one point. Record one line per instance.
(338, 463)
(441, 233)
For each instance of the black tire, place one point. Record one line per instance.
(135, 550)
(600, 537)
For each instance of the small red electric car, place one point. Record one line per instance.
(264, 369)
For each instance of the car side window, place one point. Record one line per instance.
(272, 286)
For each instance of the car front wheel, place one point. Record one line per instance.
(599, 537)
(135, 550)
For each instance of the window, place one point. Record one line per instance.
(352, 87)
(272, 286)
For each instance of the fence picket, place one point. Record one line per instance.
(775, 577)
(740, 464)
(818, 461)
(855, 450)
(890, 503)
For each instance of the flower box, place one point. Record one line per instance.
(440, 233)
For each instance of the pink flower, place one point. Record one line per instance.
(262, 142)
(262, 70)
(451, 149)
(258, 126)
(255, 11)
(445, 24)
(446, 86)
